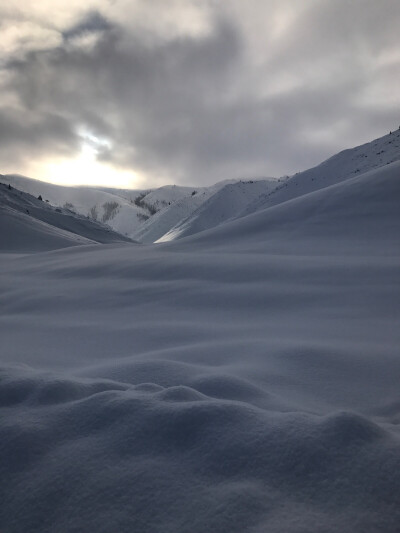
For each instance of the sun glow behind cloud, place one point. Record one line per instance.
(86, 169)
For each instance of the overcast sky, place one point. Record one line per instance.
(146, 92)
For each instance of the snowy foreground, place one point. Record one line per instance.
(243, 379)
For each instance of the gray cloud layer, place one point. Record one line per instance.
(249, 88)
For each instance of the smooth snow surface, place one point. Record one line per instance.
(243, 379)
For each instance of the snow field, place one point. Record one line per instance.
(241, 379)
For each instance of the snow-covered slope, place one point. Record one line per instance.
(124, 210)
(225, 204)
(120, 213)
(176, 212)
(240, 198)
(162, 221)
(143, 215)
(340, 167)
(244, 379)
(29, 224)
(167, 195)
(361, 215)
(172, 212)
(20, 233)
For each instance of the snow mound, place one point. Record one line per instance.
(162, 461)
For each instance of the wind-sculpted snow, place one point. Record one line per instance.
(244, 379)
(97, 455)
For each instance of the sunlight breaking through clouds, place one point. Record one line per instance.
(85, 168)
(196, 92)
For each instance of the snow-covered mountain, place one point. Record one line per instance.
(29, 224)
(148, 215)
(173, 212)
(242, 198)
(340, 167)
(221, 206)
(123, 210)
(240, 379)
(359, 216)
(239, 198)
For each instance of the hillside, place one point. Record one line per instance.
(29, 224)
(233, 202)
(225, 204)
(123, 210)
(143, 215)
(340, 167)
(357, 216)
(173, 212)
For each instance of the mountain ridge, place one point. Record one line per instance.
(173, 212)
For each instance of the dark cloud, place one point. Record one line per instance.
(199, 108)
(25, 137)
(93, 22)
